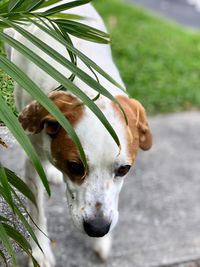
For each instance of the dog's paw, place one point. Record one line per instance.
(45, 259)
(102, 246)
(54, 175)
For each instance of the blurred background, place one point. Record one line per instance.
(158, 59)
(156, 46)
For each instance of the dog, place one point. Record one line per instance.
(92, 196)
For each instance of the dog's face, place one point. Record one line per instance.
(93, 193)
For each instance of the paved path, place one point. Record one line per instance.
(159, 221)
(178, 10)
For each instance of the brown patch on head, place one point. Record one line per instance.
(98, 205)
(35, 117)
(64, 151)
(138, 132)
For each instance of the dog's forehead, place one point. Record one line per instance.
(97, 142)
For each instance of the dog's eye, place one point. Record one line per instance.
(122, 170)
(75, 168)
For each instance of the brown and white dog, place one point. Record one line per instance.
(92, 199)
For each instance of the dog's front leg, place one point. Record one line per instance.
(45, 258)
(102, 246)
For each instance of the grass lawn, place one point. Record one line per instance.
(6, 86)
(159, 61)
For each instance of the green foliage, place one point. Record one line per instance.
(56, 27)
(9, 182)
(6, 90)
(16, 129)
(6, 87)
(158, 60)
(15, 14)
(164, 61)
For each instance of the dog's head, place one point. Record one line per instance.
(92, 195)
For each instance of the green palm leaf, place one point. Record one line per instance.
(49, 3)
(24, 220)
(20, 12)
(15, 235)
(2, 255)
(79, 54)
(15, 181)
(3, 219)
(34, 4)
(7, 244)
(25, 82)
(66, 63)
(14, 4)
(16, 129)
(63, 7)
(61, 79)
(21, 216)
(20, 240)
(83, 31)
(6, 186)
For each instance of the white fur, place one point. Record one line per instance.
(54, 176)
(45, 258)
(102, 246)
(103, 154)
(101, 184)
(99, 53)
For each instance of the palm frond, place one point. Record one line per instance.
(59, 26)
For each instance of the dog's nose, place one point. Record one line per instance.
(97, 227)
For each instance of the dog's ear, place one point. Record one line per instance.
(145, 136)
(137, 121)
(51, 125)
(34, 116)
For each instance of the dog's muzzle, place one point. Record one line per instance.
(97, 227)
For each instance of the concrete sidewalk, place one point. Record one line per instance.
(159, 221)
(177, 10)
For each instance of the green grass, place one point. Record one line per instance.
(158, 60)
(6, 87)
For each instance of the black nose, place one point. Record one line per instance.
(96, 227)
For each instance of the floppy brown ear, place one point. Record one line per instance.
(34, 116)
(31, 117)
(52, 126)
(145, 136)
(137, 121)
